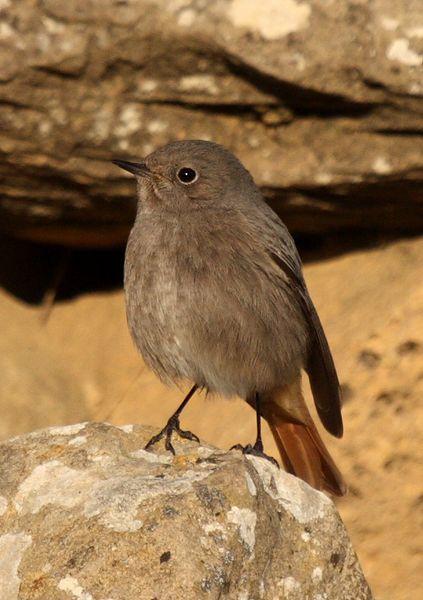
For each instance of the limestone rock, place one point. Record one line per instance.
(322, 101)
(86, 513)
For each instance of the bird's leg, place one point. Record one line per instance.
(173, 426)
(257, 449)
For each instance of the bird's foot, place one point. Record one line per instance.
(256, 450)
(170, 428)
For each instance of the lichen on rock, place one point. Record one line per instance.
(101, 518)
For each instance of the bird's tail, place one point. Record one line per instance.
(302, 450)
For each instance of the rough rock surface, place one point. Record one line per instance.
(321, 100)
(86, 513)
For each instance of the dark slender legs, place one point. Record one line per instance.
(257, 449)
(173, 426)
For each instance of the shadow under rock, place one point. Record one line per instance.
(31, 270)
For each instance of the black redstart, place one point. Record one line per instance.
(215, 296)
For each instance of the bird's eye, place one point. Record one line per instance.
(187, 175)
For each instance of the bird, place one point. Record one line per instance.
(215, 296)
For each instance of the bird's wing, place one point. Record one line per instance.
(320, 366)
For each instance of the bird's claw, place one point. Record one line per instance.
(171, 427)
(256, 450)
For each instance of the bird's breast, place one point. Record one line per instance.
(201, 306)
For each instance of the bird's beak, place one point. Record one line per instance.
(139, 169)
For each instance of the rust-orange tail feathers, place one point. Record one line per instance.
(302, 450)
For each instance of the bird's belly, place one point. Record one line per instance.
(211, 336)
(236, 354)
(151, 306)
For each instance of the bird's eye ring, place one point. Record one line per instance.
(187, 175)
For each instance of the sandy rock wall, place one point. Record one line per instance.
(322, 101)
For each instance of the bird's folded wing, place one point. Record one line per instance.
(320, 366)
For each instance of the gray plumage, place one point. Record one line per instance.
(213, 282)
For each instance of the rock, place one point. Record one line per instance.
(322, 102)
(86, 513)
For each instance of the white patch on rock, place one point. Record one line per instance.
(96, 456)
(6, 31)
(253, 141)
(79, 440)
(53, 26)
(246, 521)
(44, 127)
(389, 24)
(156, 126)
(66, 429)
(116, 500)
(317, 575)
(52, 483)
(416, 88)
(126, 428)
(273, 19)
(129, 121)
(305, 536)
(199, 83)
(115, 504)
(400, 51)
(204, 451)
(381, 165)
(3, 505)
(100, 130)
(148, 85)
(250, 485)
(58, 114)
(186, 17)
(70, 584)
(299, 499)
(289, 584)
(213, 527)
(12, 548)
(151, 457)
